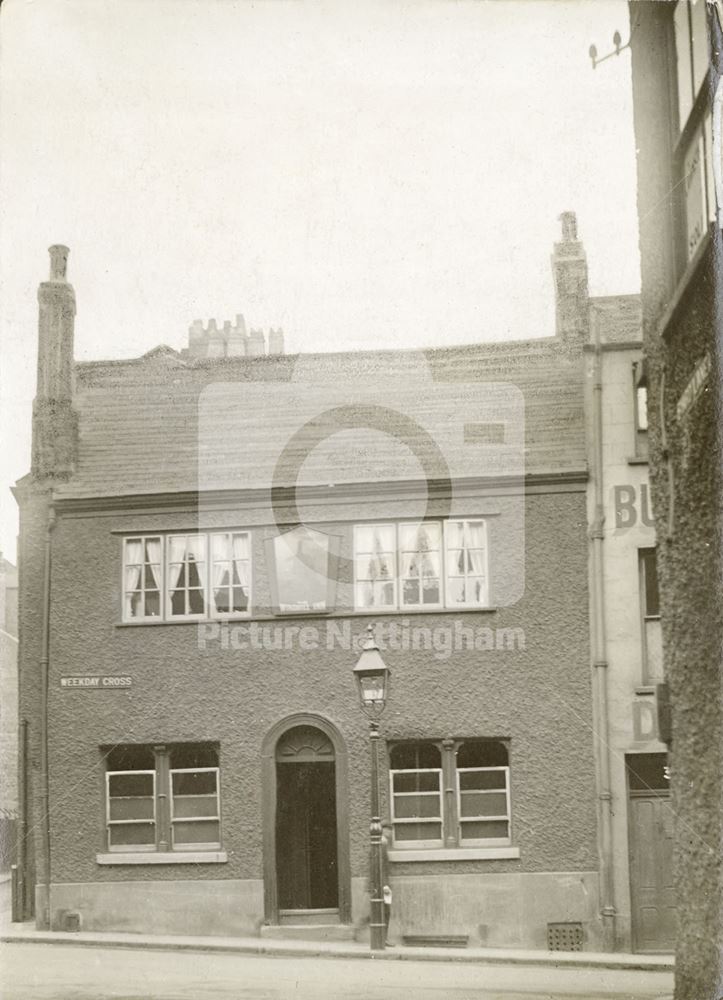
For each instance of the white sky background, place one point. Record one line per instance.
(365, 175)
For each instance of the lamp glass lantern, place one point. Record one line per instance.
(373, 677)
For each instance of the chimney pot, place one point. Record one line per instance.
(569, 226)
(58, 261)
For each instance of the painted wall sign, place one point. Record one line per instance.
(95, 683)
(694, 387)
(629, 508)
(645, 720)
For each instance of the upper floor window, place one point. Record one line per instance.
(640, 390)
(650, 614)
(422, 565)
(477, 814)
(186, 576)
(161, 798)
(695, 152)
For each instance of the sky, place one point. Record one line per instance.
(363, 174)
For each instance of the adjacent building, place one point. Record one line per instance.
(676, 68)
(8, 710)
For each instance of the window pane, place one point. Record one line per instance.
(414, 756)
(134, 834)
(364, 595)
(220, 547)
(413, 806)
(653, 651)
(482, 753)
(130, 758)
(682, 52)
(417, 831)
(455, 534)
(642, 407)
(475, 780)
(700, 43)
(135, 808)
(696, 215)
(417, 781)
(651, 600)
(130, 785)
(194, 755)
(194, 783)
(205, 832)
(495, 830)
(483, 804)
(194, 805)
(410, 592)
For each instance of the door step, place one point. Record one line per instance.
(308, 932)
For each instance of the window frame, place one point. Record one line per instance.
(395, 559)
(163, 818)
(692, 142)
(450, 800)
(484, 603)
(165, 593)
(640, 384)
(143, 538)
(211, 845)
(131, 848)
(444, 603)
(507, 818)
(419, 845)
(645, 616)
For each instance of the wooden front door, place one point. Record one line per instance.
(306, 823)
(651, 862)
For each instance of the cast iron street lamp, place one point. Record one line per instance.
(372, 676)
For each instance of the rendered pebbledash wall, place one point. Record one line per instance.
(538, 697)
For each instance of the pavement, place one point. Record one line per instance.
(27, 933)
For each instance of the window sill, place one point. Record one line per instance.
(162, 858)
(371, 613)
(455, 854)
(638, 460)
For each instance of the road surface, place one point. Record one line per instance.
(69, 972)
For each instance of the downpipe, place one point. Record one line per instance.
(601, 734)
(43, 920)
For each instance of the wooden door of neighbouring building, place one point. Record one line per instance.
(650, 819)
(306, 827)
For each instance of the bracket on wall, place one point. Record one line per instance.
(616, 51)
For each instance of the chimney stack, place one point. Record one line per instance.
(232, 341)
(256, 344)
(55, 422)
(276, 341)
(569, 269)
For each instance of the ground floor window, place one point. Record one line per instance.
(450, 793)
(162, 798)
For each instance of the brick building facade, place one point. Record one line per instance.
(205, 536)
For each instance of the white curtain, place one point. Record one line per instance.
(153, 558)
(134, 564)
(241, 561)
(475, 538)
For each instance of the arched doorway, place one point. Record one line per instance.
(306, 839)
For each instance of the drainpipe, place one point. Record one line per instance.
(44, 916)
(601, 734)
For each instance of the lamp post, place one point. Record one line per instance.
(372, 676)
